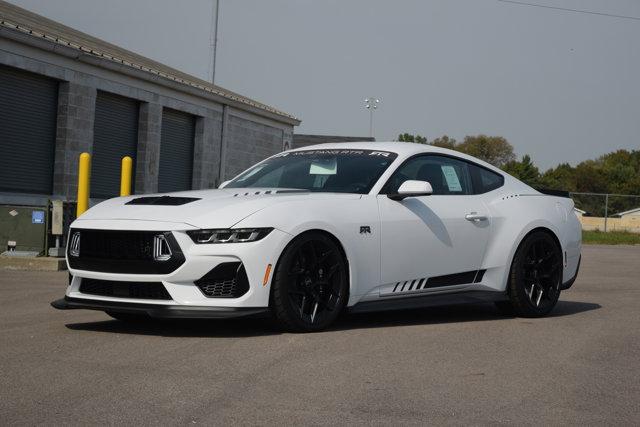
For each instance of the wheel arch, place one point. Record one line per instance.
(539, 228)
(333, 238)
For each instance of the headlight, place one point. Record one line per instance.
(228, 235)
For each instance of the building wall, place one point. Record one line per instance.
(222, 131)
(302, 140)
(630, 224)
(248, 143)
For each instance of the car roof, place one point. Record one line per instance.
(403, 149)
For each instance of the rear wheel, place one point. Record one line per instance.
(536, 275)
(309, 288)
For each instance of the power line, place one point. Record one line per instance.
(589, 12)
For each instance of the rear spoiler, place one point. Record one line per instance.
(557, 193)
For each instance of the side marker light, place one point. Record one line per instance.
(266, 275)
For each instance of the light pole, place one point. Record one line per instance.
(214, 40)
(371, 104)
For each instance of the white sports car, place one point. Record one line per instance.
(309, 232)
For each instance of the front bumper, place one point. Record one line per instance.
(160, 311)
(199, 260)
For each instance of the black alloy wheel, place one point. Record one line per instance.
(309, 288)
(536, 276)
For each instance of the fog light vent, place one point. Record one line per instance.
(226, 280)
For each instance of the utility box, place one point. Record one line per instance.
(23, 228)
(57, 228)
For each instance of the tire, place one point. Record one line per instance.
(535, 276)
(504, 307)
(129, 317)
(310, 286)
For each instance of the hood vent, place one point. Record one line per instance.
(265, 192)
(162, 200)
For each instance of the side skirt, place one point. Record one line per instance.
(465, 297)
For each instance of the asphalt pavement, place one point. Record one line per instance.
(446, 365)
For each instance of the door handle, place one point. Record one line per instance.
(475, 217)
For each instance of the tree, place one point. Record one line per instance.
(562, 177)
(492, 149)
(444, 142)
(524, 170)
(407, 137)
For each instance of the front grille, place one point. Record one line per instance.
(135, 290)
(226, 280)
(117, 245)
(124, 251)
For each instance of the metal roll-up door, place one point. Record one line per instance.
(28, 114)
(176, 151)
(115, 135)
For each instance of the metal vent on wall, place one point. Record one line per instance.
(28, 112)
(115, 135)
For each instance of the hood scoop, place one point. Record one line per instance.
(161, 200)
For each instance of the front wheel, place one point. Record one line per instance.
(536, 275)
(309, 288)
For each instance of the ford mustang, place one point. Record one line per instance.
(311, 232)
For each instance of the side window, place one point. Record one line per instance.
(485, 180)
(447, 176)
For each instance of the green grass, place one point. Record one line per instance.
(610, 238)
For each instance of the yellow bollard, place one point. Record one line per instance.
(125, 176)
(84, 175)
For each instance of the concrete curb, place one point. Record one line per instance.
(32, 263)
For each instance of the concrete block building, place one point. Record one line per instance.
(63, 92)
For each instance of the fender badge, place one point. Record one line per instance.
(365, 229)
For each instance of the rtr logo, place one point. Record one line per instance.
(365, 229)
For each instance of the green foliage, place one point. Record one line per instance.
(524, 170)
(407, 137)
(492, 149)
(445, 142)
(610, 238)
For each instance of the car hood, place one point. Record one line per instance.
(220, 208)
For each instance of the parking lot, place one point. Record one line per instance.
(455, 365)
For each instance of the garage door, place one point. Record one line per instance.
(28, 107)
(176, 151)
(115, 135)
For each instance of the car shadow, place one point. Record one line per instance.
(238, 328)
(448, 314)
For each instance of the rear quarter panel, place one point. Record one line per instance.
(513, 216)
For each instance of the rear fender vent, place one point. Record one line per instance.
(226, 280)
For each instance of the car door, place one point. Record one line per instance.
(436, 240)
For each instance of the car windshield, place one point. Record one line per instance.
(336, 171)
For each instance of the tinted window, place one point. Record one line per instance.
(484, 180)
(447, 176)
(337, 171)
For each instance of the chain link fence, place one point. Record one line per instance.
(608, 212)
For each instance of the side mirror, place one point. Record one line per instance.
(411, 188)
(224, 183)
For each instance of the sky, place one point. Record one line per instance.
(560, 86)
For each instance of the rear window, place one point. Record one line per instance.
(484, 180)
